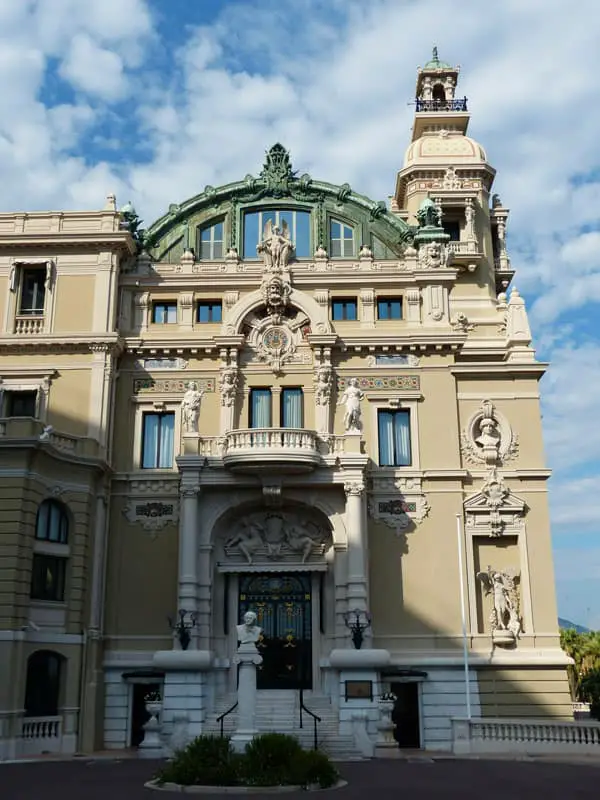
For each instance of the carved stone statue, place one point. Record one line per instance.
(275, 292)
(298, 540)
(451, 179)
(489, 439)
(351, 399)
(248, 632)
(249, 539)
(505, 613)
(323, 381)
(228, 385)
(276, 246)
(320, 253)
(190, 407)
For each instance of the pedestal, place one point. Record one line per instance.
(151, 746)
(386, 746)
(248, 659)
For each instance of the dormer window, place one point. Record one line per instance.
(211, 242)
(341, 240)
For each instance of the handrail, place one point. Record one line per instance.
(222, 717)
(315, 719)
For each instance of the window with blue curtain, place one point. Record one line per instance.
(389, 308)
(298, 223)
(260, 408)
(394, 438)
(157, 440)
(292, 408)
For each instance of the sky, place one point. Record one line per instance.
(155, 99)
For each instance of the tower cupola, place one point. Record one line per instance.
(435, 97)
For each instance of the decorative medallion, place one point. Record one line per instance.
(488, 437)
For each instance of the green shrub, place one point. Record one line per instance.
(313, 768)
(206, 761)
(268, 759)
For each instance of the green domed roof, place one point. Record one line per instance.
(435, 62)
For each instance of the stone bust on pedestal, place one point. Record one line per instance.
(248, 632)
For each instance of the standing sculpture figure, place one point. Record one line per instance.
(351, 399)
(190, 406)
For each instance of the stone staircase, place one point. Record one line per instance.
(280, 711)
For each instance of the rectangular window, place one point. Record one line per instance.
(33, 291)
(157, 440)
(343, 309)
(389, 308)
(209, 311)
(48, 578)
(297, 222)
(164, 313)
(260, 408)
(292, 408)
(341, 240)
(19, 404)
(211, 242)
(394, 438)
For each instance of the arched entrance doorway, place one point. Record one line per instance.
(282, 603)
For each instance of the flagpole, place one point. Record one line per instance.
(463, 613)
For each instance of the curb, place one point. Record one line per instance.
(177, 787)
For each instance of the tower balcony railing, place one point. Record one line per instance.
(288, 449)
(458, 104)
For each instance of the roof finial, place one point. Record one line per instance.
(434, 55)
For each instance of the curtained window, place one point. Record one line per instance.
(394, 438)
(260, 408)
(157, 440)
(292, 407)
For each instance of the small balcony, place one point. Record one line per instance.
(289, 450)
(458, 104)
(29, 324)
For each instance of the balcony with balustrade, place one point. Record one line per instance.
(26, 430)
(289, 450)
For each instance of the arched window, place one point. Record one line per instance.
(439, 93)
(52, 523)
(42, 685)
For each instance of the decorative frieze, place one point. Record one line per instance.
(152, 515)
(409, 383)
(160, 363)
(398, 511)
(151, 386)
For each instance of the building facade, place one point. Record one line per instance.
(287, 398)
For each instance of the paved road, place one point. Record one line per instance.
(467, 780)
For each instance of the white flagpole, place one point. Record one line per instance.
(463, 613)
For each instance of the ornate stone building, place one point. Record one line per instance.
(279, 398)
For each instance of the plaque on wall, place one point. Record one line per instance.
(358, 690)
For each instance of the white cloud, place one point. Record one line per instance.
(94, 69)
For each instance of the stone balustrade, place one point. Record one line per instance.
(26, 325)
(463, 248)
(294, 449)
(34, 429)
(40, 735)
(524, 736)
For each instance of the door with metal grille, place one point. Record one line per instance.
(282, 603)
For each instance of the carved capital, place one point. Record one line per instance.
(189, 490)
(354, 488)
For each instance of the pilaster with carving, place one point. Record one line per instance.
(323, 385)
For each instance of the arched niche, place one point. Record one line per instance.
(253, 537)
(317, 315)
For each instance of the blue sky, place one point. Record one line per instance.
(154, 99)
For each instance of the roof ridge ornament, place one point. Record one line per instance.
(277, 171)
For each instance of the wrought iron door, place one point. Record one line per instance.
(282, 605)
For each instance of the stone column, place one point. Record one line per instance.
(356, 525)
(248, 659)
(187, 590)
